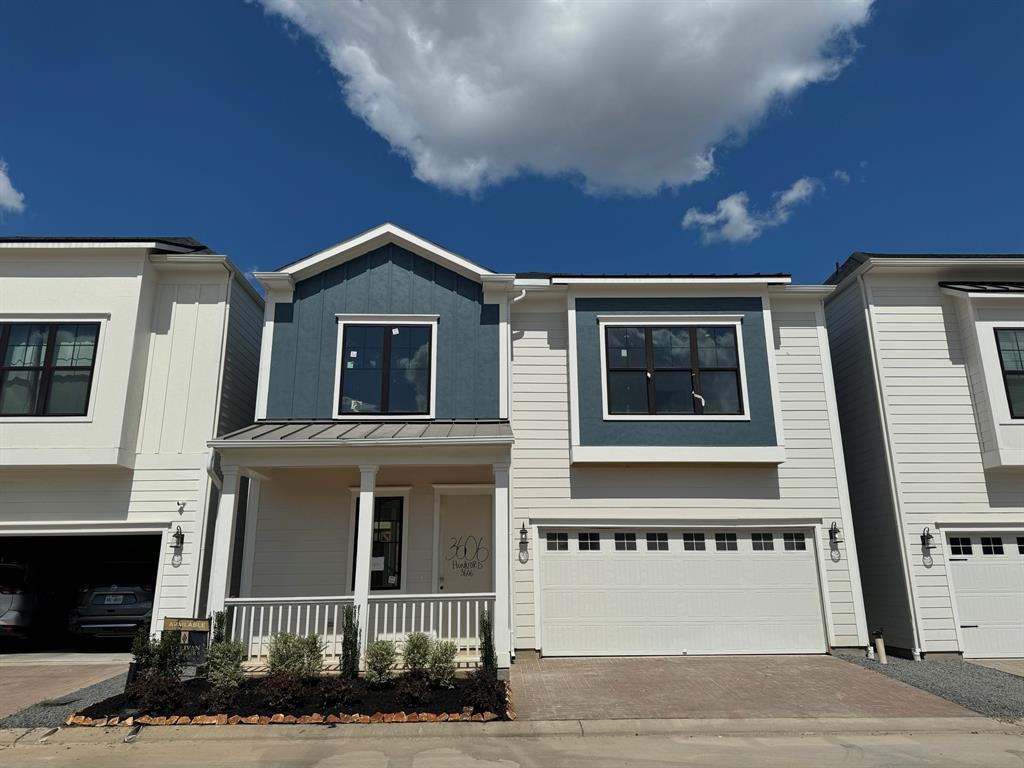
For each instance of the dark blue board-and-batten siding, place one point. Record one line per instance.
(389, 280)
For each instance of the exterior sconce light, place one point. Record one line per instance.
(524, 545)
(926, 539)
(179, 539)
(833, 543)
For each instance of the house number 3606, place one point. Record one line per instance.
(467, 554)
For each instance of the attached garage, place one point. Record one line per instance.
(626, 592)
(988, 583)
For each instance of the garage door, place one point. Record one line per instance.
(988, 579)
(658, 592)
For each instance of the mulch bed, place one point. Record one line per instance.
(258, 703)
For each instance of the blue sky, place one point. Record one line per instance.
(223, 122)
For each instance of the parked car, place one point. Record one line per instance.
(112, 610)
(18, 601)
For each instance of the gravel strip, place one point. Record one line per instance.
(983, 690)
(50, 714)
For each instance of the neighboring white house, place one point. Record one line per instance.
(119, 359)
(929, 358)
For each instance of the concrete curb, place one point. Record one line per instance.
(20, 737)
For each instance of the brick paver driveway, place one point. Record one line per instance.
(713, 687)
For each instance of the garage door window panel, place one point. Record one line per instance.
(794, 542)
(960, 545)
(991, 545)
(46, 369)
(558, 542)
(693, 542)
(589, 542)
(657, 542)
(625, 542)
(762, 542)
(726, 542)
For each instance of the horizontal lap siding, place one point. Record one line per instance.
(936, 441)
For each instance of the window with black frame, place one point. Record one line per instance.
(1011, 357)
(46, 369)
(386, 552)
(673, 370)
(385, 369)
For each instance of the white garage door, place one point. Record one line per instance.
(658, 592)
(988, 578)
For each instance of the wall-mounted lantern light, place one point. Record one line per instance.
(833, 534)
(524, 545)
(178, 539)
(926, 539)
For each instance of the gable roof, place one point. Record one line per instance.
(372, 239)
(176, 244)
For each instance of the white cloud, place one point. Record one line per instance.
(631, 97)
(841, 175)
(10, 198)
(733, 221)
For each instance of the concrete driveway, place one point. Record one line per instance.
(28, 678)
(713, 687)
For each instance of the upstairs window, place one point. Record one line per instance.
(1011, 357)
(386, 369)
(673, 370)
(46, 369)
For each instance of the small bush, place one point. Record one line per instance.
(442, 664)
(380, 661)
(220, 627)
(156, 694)
(413, 689)
(283, 692)
(156, 680)
(484, 692)
(295, 656)
(224, 670)
(336, 693)
(488, 658)
(350, 645)
(416, 653)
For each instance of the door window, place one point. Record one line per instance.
(386, 555)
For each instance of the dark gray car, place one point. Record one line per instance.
(112, 610)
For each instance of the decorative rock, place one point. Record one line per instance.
(304, 720)
(443, 717)
(488, 716)
(467, 710)
(334, 719)
(251, 720)
(428, 717)
(128, 721)
(278, 718)
(183, 720)
(413, 718)
(234, 720)
(389, 717)
(77, 720)
(510, 714)
(221, 719)
(114, 720)
(290, 719)
(145, 720)
(264, 720)
(99, 722)
(70, 720)
(477, 718)
(316, 717)
(364, 719)
(377, 717)
(159, 721)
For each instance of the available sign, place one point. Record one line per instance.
(186, 625)
(195, 639)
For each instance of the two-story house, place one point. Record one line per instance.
(119, 359)
(929, 358)
(612, 465)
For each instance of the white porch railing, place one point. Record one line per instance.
(254, 620)
(454, 617)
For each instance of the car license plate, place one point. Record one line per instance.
(113, 599)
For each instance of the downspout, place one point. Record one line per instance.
(891, 466)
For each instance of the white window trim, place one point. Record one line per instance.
(683, 321)
(349, 319)
(992, 362)
(380, 492)
(50, 318)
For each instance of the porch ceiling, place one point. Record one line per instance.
(306, 434)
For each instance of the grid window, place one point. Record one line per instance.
(725, 542)
(672, 370)
(693, 542)
(657, 542)
(46, 369)
(991, 545)
(558, 542)
(1011, 357)
(625, 542)
(793, 541)
(386, 543)
(960, 545)
(763, 542)
(385, 369)
(589, 542)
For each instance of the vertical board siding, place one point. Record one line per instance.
(545, 486)
(241, 361)
(389, 280)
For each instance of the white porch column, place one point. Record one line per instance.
(364, 548)
(223, 540)
(502, 585)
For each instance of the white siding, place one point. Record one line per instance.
(545, 488)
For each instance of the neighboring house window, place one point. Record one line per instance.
(793, 541)
(589, 542)
(558, 542)
(657, 542)
(46, 369)
(991, 545)
(385, 369)
(725, 542)
(386, 550)
(762, 542)
(672, 370)
(693, 542)
(625, 542)
(1011, 356)
(960, 545)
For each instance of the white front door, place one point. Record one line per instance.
(988, 579)
(466, 544)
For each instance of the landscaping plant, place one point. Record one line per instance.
(224, 664)
(486, 693)
(295, 656)
(350, 645)
(442, 664)
(416, 654)
(488, 658)
(380, 661)
(156, 682)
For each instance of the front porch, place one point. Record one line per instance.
(291, 551)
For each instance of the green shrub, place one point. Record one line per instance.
(220, 627)
(295, 656)
(380, 661)
(156, 679)
(442, 664)
(413, 689)
(283, 692)
(416, 653)
(484, 692)
(336, 693)
(488, 658)
(350, 645)
(224, 669)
